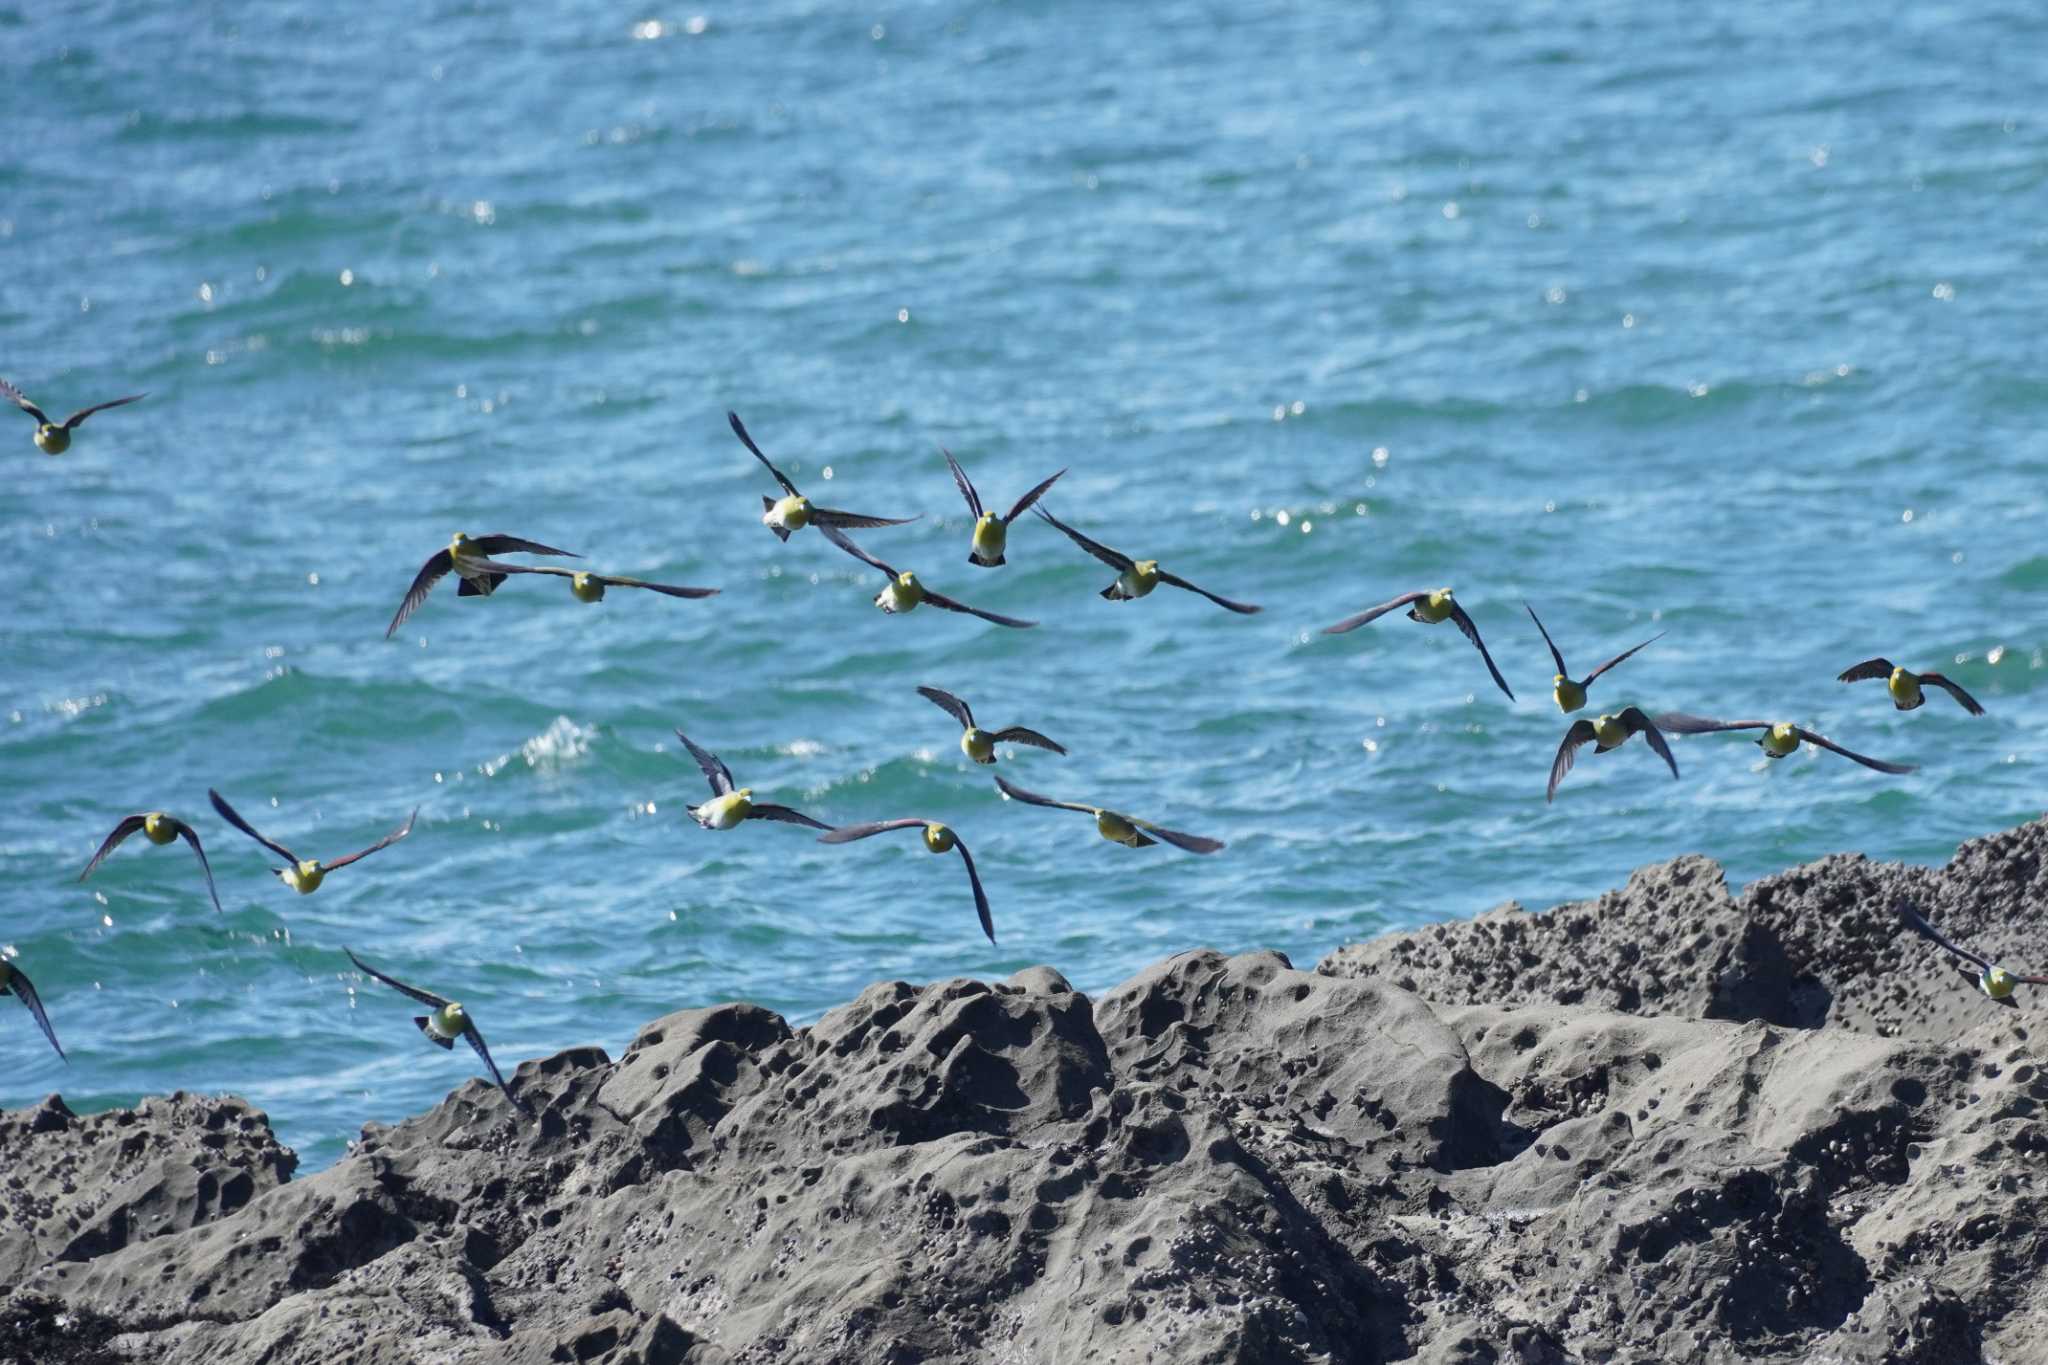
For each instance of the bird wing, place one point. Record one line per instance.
(1824, 742)
(191, 836)
(499, 566)
(1116, 559)
(988, 921)
(393, 837)
(1472, 633)
(424, 997)
(1578, 734)
(75, 418)
(1555, 656)
(1241, 608)
(23, 987)
(966, 487)
(1865, 671)
(846, 834)
(1024, 503)
(950, 704)
(1969, 703)
(1193, 843)
(784, 815)
(1017, 793)
(945, 603)
(14, 396)
(1618, 658)
(501, 544)
(739, 429)
(437, 566)
(1914, 920)
(227, 813)
(1679, 723)
(1017, 734)
(831, 516)
(494, 566)
(1371, 614)
(121, 831)
(476, 1040)
(1639, 724)
(833, 534)
(715, 771)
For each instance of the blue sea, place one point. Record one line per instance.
(1726, 323)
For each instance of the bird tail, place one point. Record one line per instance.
(444, 1043)
(1113, 593)
(483, 587)
(973, 558)
(767, 506)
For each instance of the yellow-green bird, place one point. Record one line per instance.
(1907, 686)
(1114, 826)
(466, 557)
(304, 875)
(54, 438)
(793, 511)
(588, 586)
(977, 743)
(1604, 733)
(938, 838)
(730, 804)
(1137, 578)
(1778, 739)
(1430, 607)
(991, 532)
(1990, 978)
(906, 592)
(13, 980)
(159, 829)
(1569, 695)
(448, 1022)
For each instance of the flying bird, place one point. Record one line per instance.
(1569, 695)
(729, 804)
(159, 828)
(1778, 739)
(979, 744)
(13, 979)
(1605, 733)
(906, 592)
(588, 586)
(991, 532)
(1905, 685)
(1430, 608)
(1118, 828)
(937, 839)
(304, 875)
(1992, 979)
(466, 557)
(1138, 577)
(54, 438)
(448, 1022)
(793, 511)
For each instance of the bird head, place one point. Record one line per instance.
(745, 792)
(907, 581)
(458, 544)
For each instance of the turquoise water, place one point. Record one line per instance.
(1726, 325)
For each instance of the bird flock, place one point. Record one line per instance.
(479, 566)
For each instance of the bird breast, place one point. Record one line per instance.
(1780, 739)
(306, 877)
(1115, 828)
(53, 439)
(159, 828)
(586, 588)
(977, 745)
(723, 812)
(792, 513)
(990, 536)
(1905, 689)
(447, 1023)
(939, 839)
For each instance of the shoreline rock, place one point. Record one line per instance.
(1670, 1123)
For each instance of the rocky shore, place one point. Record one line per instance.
(1668, 1124)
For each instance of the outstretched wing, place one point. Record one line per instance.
(1576, 736)
(121, 831)
(502, 544)
(950, 704)
(1017, 793)
(1679, 723)
(833, 534)
(1116, 559)
(75, 418)
(1865, 671)
(1193, 843)
(476, 1040)
(739, 429)
(191, 836)
(1017, 734)
(666, 589)
(19, 983)
(1023, 504)
(784, 815)
(424, 997)
(822, 517)
(437, 566)
(387, 841)
(1637, 723)
(946, 603)
(1619, 657)
(14, 396)
(1914, 920)
(1968, 702)
(846, 834)
(1879, 764)
(1371, 614)
(1472, 633)
(966, 487)
(1556, 657)
(988, 921)
(715, 771)
(1241, 608)
(227, 813)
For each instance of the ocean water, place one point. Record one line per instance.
(1726, 324)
